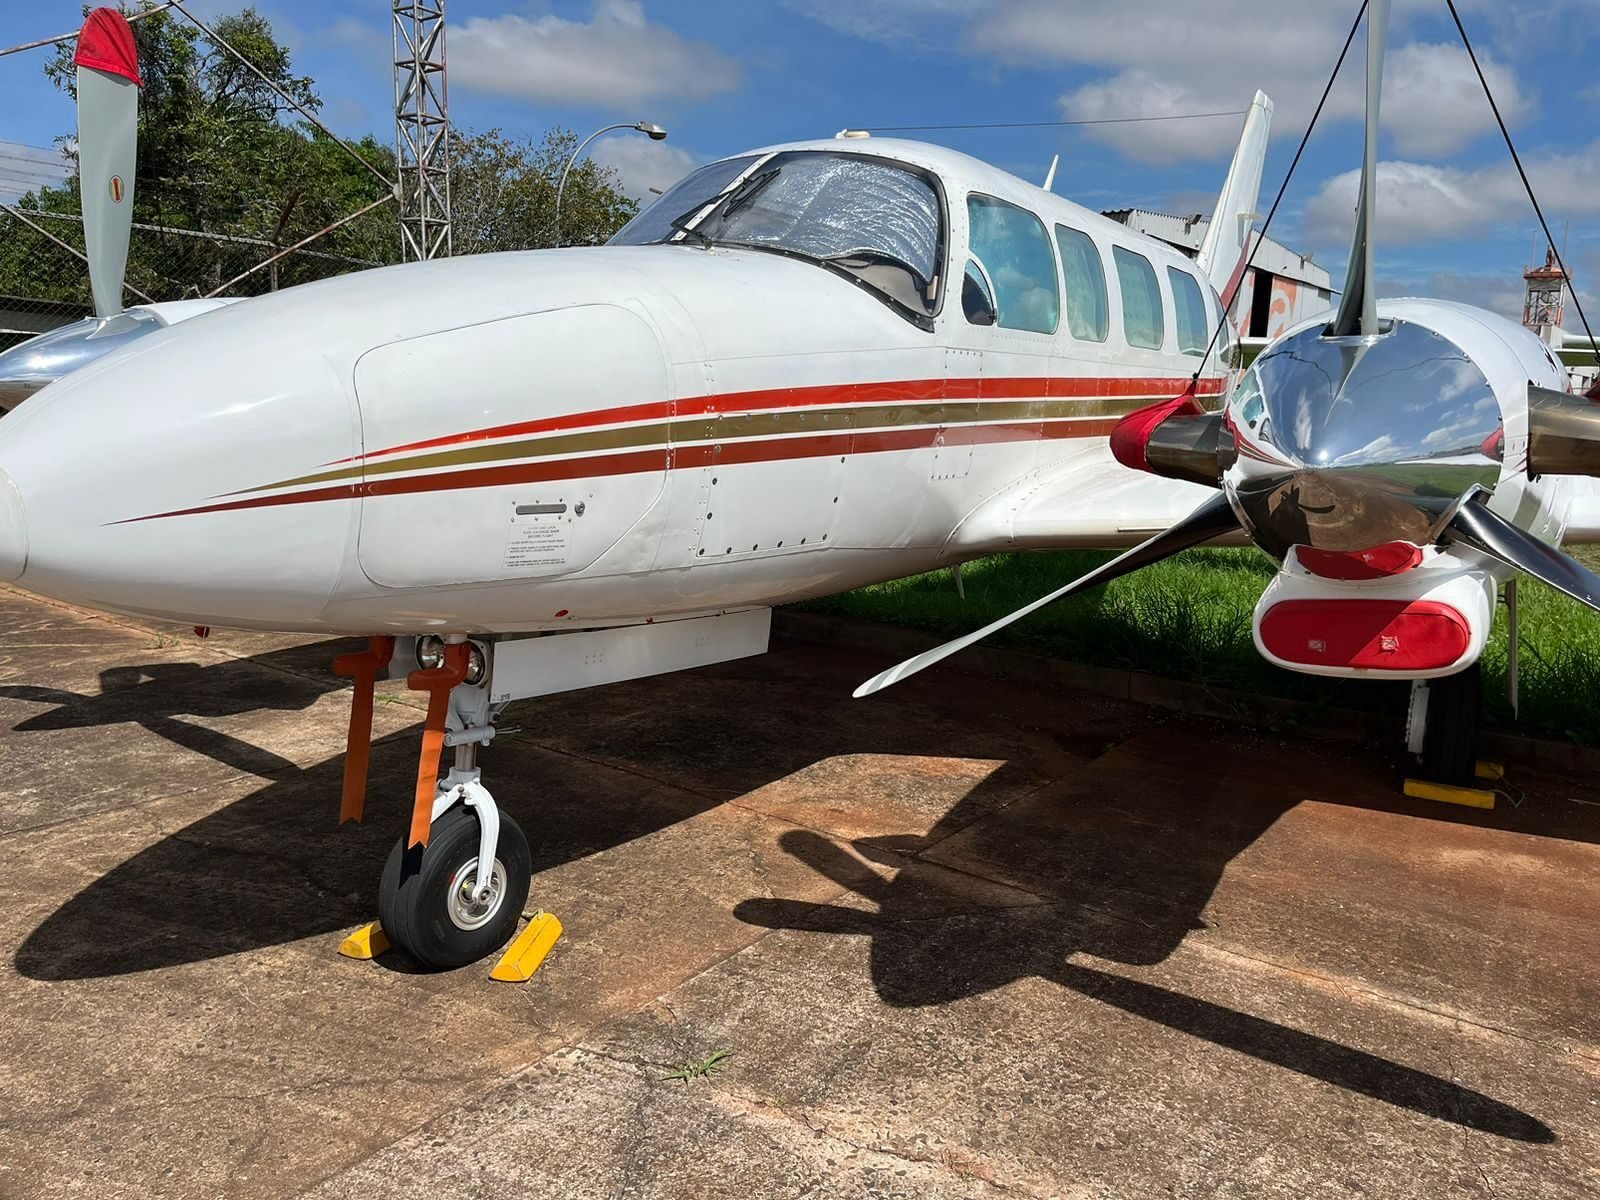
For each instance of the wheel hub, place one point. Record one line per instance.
(466, 911)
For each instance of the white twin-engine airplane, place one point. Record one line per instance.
(803, 369)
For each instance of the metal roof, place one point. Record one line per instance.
(1186, 233)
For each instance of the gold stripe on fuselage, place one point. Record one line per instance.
(734, 427)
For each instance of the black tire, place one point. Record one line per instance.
(414, 901)
(1450, 738)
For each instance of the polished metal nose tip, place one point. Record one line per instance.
(13, 531)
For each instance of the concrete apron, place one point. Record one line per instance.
(968, 938)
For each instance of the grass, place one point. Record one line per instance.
(1189, 618)
(704, 1069)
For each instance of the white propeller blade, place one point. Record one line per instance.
(1212, 518)
(108, 133)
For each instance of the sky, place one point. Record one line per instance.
(727, 75)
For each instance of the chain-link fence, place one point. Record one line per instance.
(241, 188)
(44, 278)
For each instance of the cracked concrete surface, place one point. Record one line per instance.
(963, 940)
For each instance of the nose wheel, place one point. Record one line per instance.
(432, 903)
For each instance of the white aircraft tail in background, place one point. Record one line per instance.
(1227, 242)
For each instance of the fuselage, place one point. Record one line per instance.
(601, 435)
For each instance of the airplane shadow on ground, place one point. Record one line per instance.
(1130, 877)
(930, 945)
(158, 695)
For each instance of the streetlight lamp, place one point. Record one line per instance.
(654, 132)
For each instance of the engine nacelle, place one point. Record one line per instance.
(1428, 619)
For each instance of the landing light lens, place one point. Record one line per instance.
(430, 653)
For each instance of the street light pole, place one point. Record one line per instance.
(654, 132)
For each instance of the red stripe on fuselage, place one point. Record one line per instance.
(887, 392)
(702, 454)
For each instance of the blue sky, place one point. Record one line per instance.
(724, 75)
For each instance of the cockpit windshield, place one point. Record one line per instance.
(691, 193)
(876, 221)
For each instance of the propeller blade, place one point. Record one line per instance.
(1487, 532)
(108, 133)
(1211, 519)
(1358, 308)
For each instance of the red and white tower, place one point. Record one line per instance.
(1546, 303)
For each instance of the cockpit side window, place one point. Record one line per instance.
(1015, 251)
(977, 297)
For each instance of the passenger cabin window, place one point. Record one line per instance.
(1216, 317)
(1142, 319)
(1088, 306)
(1012, 248)
(1190, 307)
(876, 221)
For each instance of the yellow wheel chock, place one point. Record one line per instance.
(525, 954)
(522, 958)
(367, 942)
(1447, 793)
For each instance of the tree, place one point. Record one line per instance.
(223, 154)
(503, 194)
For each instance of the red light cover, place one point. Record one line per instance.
(106, 44)
(1132, 434)
(1384, 635)
(1376, 562)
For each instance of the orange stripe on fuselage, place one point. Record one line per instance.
(886, 392)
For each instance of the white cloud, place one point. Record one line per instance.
(1162, 57)
(641, 164)
(1420, 202)
(892, 21)
(1432, 103)
(618, 59)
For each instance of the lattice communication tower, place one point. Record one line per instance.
(422, 128)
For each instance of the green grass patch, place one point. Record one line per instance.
(1189, 618)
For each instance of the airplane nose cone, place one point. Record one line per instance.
(13, 531)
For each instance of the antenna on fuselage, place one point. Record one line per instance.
(1358, 307)
(1050, 175)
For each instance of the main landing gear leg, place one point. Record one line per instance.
(1443, 735)
(453, 888)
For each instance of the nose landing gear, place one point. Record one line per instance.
(453, 889)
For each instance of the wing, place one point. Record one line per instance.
(1091, 502)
